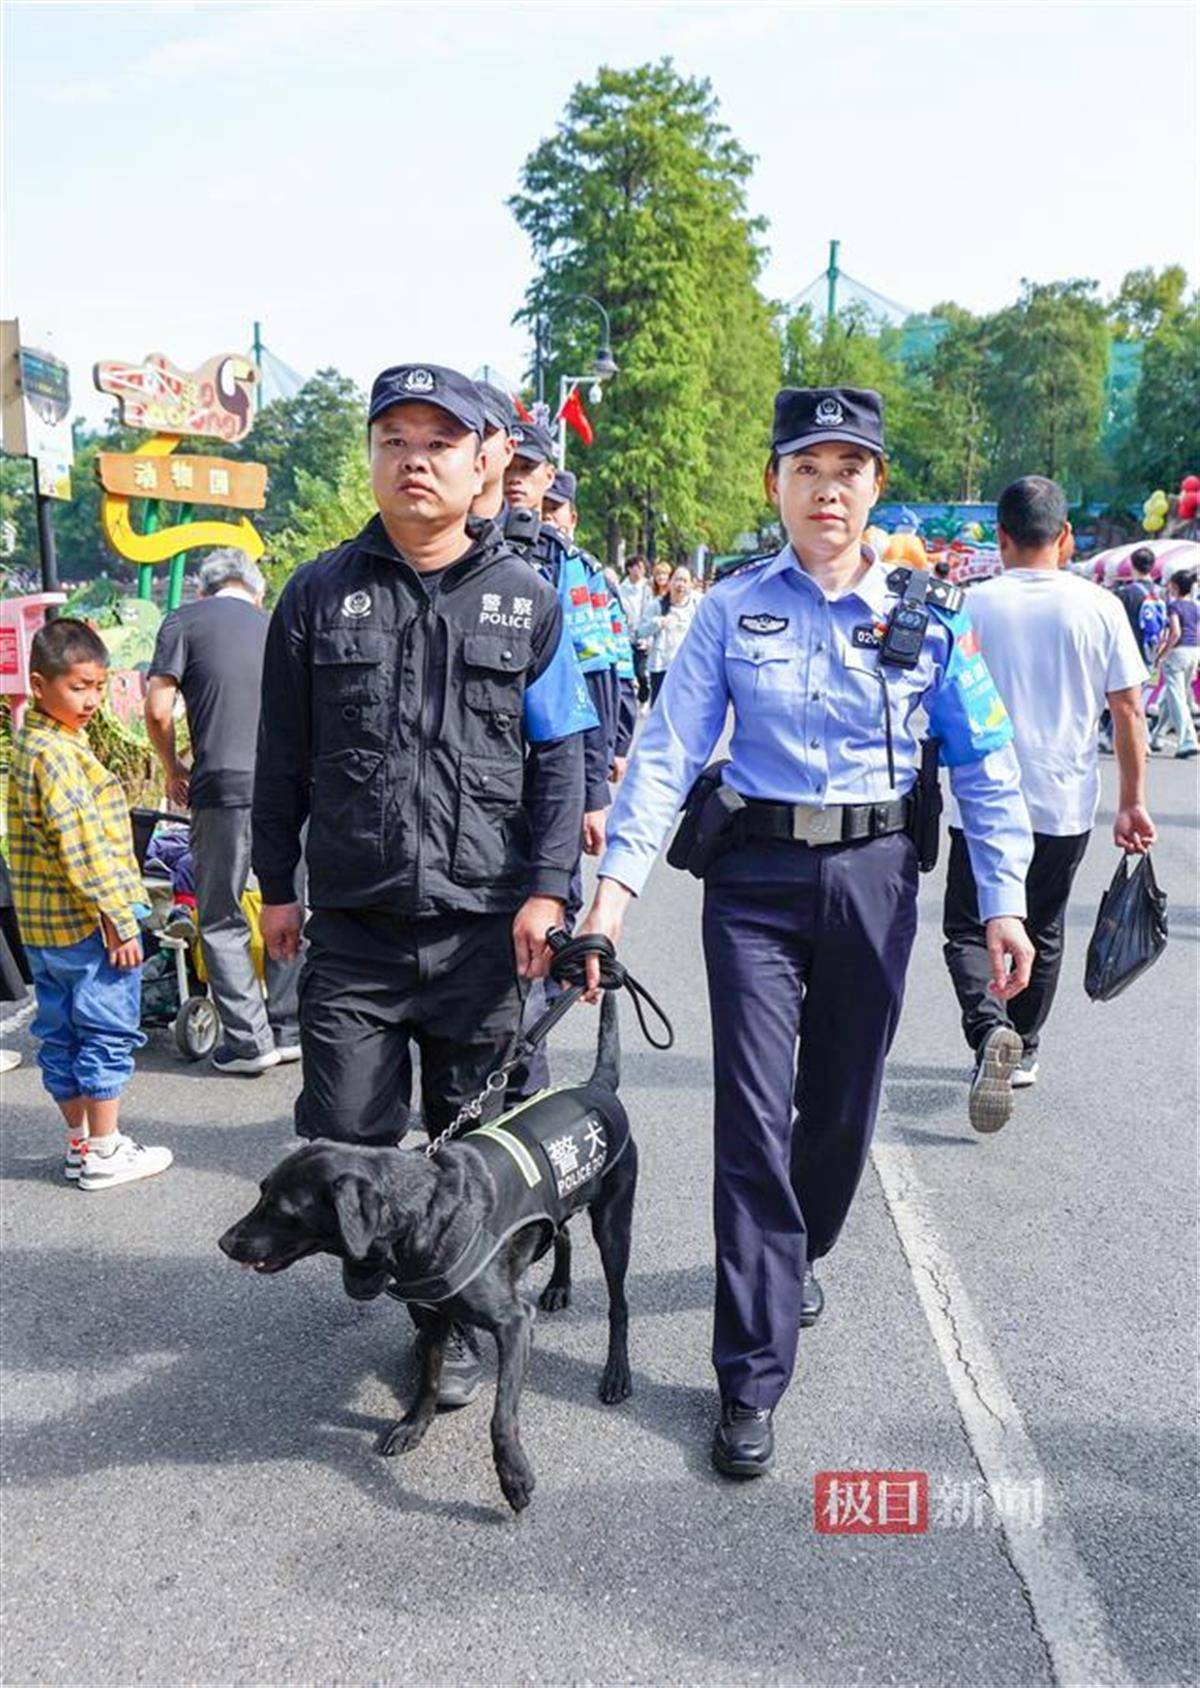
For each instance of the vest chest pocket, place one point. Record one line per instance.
(349, 687)
(493, 833)
(494, 668)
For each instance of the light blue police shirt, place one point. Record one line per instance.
(802, 674)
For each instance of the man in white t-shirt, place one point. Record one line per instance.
(1059, 649)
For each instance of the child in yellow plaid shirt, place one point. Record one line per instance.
(78, 896)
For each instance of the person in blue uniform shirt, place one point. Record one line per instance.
(810, 904)
(561, 511)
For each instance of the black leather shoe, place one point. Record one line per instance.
(462, 1373)
(363, 1282)
(812, 1300)
(744, 1443)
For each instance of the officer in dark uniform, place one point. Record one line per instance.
(810, 902)
(528, 479)
(422, 711)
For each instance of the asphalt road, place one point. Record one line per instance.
(191, 1492)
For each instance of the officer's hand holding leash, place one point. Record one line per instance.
(605, 918)
(280, 924)
(535, 917)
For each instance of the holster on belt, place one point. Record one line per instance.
(709, 824)
(926, 799)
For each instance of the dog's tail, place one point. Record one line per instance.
(607, 1071)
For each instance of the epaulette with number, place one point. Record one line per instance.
(729, 566)
(942, 594)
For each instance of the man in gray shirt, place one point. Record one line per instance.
(212, 652)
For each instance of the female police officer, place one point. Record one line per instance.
(810, 905)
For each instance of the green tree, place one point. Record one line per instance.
(639, 200)
(1161, 446)
(1146, 299)
(324, 513)
(310, 434)
(1043, 385)
(948, 420)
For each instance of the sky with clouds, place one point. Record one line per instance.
(172, 172)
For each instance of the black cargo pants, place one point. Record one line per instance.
(372, 985)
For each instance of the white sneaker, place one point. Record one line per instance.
(1026, 1072)
(128, 1161)
(288, 1051)
(73, 1165)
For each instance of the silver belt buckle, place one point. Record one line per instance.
(811, 825)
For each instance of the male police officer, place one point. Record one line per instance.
(499, 420)
(421, 710)
(527, 480)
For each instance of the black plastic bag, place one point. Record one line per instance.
(1131, 931)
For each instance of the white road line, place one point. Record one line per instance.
(1066, 1610)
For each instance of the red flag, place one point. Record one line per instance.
(575, 416)
(521, 410)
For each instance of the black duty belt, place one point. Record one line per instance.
(805, 823)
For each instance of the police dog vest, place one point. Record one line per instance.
(546, 1159)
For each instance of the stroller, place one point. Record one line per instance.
(174, 993)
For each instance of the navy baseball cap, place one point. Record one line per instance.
(498, 409)
(533, 442)
(429, 383)
(562, 488)
(813, 415)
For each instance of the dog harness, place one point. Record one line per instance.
(547, 1159)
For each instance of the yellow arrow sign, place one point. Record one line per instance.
(168, 542)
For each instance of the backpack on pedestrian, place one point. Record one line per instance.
(1152, 624)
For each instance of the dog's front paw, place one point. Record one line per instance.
(555, 1297)
(616, 1384)
(402, 1437)
(518, 1482)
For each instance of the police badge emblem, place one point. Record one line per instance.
(356, 604)
(417, 381)
(830, 414)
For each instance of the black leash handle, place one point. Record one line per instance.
(569, 967)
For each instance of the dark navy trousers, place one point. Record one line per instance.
(806, 951)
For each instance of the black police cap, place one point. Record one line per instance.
(813, 415)
(534, 442)
(498, 409)
(429, 383)
(562, 488)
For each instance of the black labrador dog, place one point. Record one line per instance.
(456, 1232)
